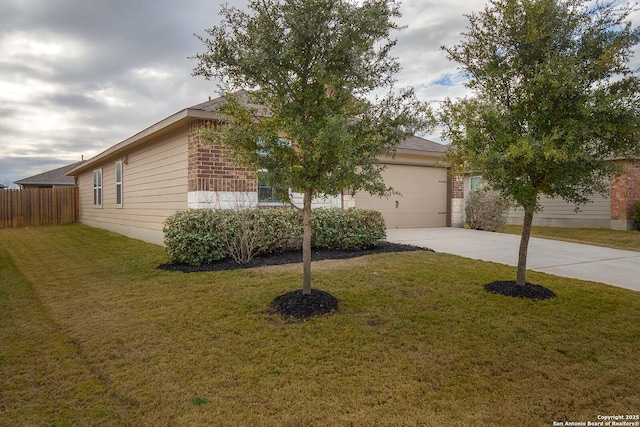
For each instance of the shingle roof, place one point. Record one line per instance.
(52, 177)
(208, 110)
(415, 143)
(213, 104)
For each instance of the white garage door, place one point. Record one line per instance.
(423, 199)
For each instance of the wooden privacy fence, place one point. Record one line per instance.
(39, 206)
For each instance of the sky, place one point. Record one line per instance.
(78, 76)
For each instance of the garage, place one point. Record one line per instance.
(423, 198)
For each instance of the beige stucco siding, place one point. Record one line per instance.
(154, 182)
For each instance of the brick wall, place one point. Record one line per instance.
(457, 187)
(625, 190)
(210, 168)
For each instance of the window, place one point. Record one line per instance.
(97, 187)
(475, 182)
(119, 184)
(266, 194)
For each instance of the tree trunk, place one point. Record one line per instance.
(306, 242)
(524, 246)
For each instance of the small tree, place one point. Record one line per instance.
(554, 100)
(309, 65)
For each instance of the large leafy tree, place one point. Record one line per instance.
(312, 66)
(554, 100)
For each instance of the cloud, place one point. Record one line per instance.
(77, 76)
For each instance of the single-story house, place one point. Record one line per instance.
(50, 179)
(133, 186)
(614, 210)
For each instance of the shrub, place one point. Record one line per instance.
(636, 214)
(202, 236)
(194, 237)
(347, 229)
(485, 210)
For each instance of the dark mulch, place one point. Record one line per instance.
(290, 258)
(303, 307)
(529, 290)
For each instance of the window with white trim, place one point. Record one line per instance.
(119, 184)
(97, 187)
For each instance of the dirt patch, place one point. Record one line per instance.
(291, 258)
(528, 290)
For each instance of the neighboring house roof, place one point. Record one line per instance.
(2, 186)
(207, 110)
(53, 177)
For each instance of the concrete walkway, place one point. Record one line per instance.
(611, 266)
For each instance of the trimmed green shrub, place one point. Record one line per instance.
(193, 237)
(636, 214)
(202, 236)
(348, 229)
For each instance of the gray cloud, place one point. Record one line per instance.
(78, 76)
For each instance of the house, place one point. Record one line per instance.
(133, 186)
(50, 179)
(613, 211)
(2, 186)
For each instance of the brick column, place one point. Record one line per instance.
(625, 191)
(456, 183)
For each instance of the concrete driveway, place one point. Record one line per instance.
(611, 266)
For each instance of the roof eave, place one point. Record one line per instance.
(139, 137)
(42, 183)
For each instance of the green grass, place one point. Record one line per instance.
(617, 239)
(93, 334)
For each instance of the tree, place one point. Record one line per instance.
(310, 64)
(553, 101)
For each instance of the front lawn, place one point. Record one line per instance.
(93, 334)
(616, 239)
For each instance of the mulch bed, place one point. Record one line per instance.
(529, 290)
(290, 258)
(303, 307)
